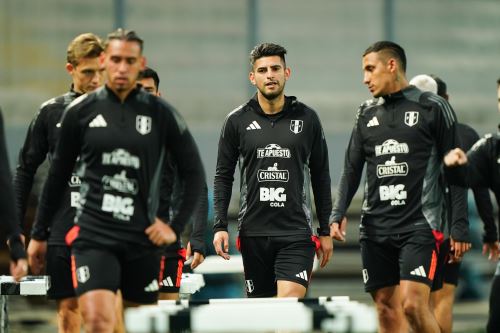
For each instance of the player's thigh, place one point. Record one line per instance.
(59, 271)
(294, 259)
(140, 274)
(418, 257)
(380, 260)
(258, 263)
(94, 268)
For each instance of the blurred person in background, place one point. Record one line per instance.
(174, 256)
(15, 240)
(281, 149)
(447, 274)
(479, 167)
(401, 135)
(121, 134)
(82, 64)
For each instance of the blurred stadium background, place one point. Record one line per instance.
(200, 50)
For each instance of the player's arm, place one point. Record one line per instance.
(227, 158)
(459, 222)
(65, 156)
(186, 156)
(7, 208)
(350, 178)
(31, 156)
(321, 185)
(197, 239)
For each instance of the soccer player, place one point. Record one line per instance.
(401, 134)
(281, 148)
(121, 134)
(82, 64)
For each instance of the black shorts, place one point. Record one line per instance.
(389, 259)
(445, 272)
(132, 268)
(59, 271)
(268, 259)
(171, 271)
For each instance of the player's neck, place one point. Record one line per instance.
(271, 106)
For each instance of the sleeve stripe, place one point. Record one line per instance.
(446, 108)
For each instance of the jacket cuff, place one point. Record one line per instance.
(17, 250)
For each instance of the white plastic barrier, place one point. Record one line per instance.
(328, 314)
(28, 286)
(191, 283)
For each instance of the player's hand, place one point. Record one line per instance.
(36, 255)
(198, 258)
(325, 250)
(221, 244)
(337, 230)
(492, 249)
(18, 269)
(455, 157)
(457, 250)
(160, 233)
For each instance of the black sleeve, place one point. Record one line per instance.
(477, 171)
(485, 210)
(445, 127)
(320, 178)
(66, 153)
(199, 218)
(7, 207)
(166, 190)
(227, 157)
(186, 157)
(31, 155)
(459, 214)
(351, 175)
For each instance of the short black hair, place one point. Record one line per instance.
(392, 48)
(498, 81)
(147, 73)
(442, 88)
(267, 50)
(125, 35)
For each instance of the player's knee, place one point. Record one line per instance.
(412, 308)
(98, 321)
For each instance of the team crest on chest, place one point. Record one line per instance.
(411, 118)
(143, 124)
(296, 126)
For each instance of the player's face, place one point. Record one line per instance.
(87, 75)
(378, 74)
(148, 84)
(269, 75)
(122, 61)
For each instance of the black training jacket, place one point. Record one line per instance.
(39, 144)
(402, 138)
(122, 146)
(8, 217)
(279, 157)
(483, 167)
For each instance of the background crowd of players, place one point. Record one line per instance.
(126, 177)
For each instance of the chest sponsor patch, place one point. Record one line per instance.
(273, 150)
(273, 174)
(392, 168)
(391, 147)
(119, 182)
(121, 157)
(395, 194)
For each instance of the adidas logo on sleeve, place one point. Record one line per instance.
(373, 122)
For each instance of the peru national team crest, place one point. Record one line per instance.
(411, 118)
(143, 124)
(296, 126)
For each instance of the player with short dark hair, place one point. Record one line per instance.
(281, 149)
(401, 135)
